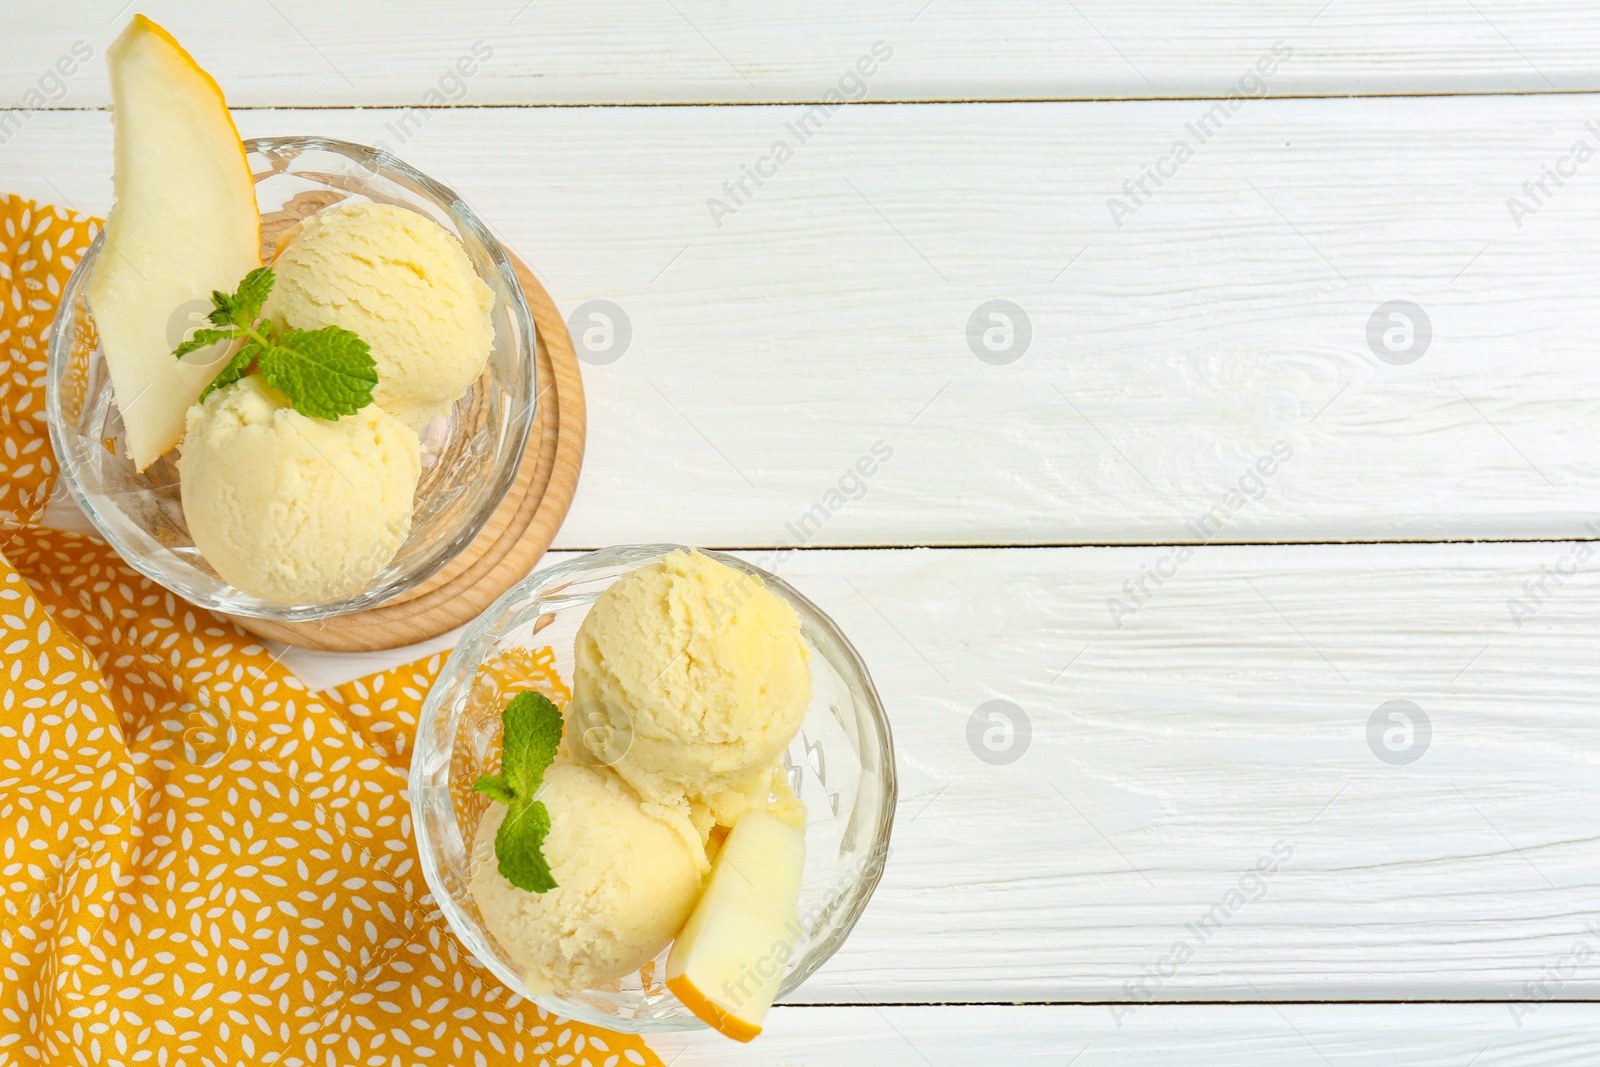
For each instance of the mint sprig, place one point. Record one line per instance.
(532, 733)
(325, 373)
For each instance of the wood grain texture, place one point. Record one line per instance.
(1226, 718)
(514, 537)
(1228, 313)
(297, 52)
(1303, 1035)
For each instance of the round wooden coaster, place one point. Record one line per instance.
(513, 539)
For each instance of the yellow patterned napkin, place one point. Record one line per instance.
(201, 861)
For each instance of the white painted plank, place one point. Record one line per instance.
(1299, 1035)
(299, 52)
(1227, 717)
(1229, 313)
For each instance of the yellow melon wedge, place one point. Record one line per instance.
(184, 223)
(730, 957)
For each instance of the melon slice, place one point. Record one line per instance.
(184, 223)
(731, 956)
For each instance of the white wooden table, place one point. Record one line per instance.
(1406, 514)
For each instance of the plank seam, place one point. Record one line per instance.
(809, 102)
(888, 546)
(1163, 1003)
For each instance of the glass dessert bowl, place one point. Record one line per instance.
(470, 455)
(840, 766)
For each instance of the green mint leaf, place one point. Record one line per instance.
(253, 292)
(495, 788)
(532, 735)
(531, 727)
(519, 845)
(233, 371)
(244, 306)
(325, 373)
(204, 339)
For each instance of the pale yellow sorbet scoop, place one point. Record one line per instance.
(291, 508)
(627, 875)
(403, 284)
(694, 679)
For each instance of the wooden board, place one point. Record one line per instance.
(292, 52)
(513, 539)
(769, 356)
